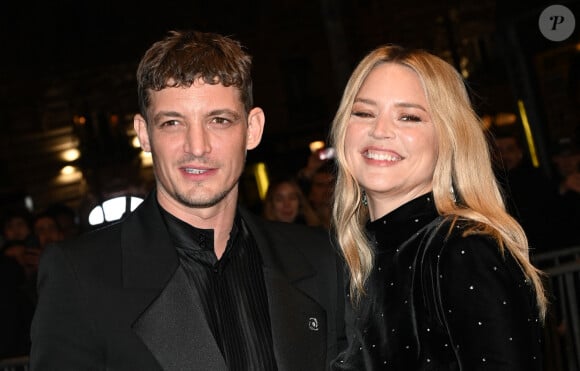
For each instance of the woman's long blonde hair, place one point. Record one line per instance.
(464, 165)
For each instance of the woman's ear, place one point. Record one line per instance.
(140, 126)
(256, 120)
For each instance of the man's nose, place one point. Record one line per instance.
(197, 142)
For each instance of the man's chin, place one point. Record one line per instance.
(201, 202)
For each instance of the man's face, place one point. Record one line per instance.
(16, 228)
(47, 231)
(198, 137)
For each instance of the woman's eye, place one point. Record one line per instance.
(361, 114)
(413, 118)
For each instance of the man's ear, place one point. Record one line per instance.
(256, 120)
(141, 129)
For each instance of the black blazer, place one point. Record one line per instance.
(117, 299)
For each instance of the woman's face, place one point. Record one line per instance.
(285, 203)
(391, 143)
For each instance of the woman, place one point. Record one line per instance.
(285, 202)
(439, 272)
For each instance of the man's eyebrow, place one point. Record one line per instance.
(174, 114)
(161, 114)
(225, 111)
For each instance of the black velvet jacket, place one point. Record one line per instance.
(438, 302)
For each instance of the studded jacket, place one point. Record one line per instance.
(437, 300)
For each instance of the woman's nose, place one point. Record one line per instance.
(383, 128)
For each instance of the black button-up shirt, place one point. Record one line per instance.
(232, 291)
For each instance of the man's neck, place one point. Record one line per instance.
(219, 217)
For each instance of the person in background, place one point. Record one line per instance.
(15, 310)
(530, 195)
(439, 273)
(567, 164)
(190, 280)
(67, 219)
(15, 249)
(321, 192)
(285, 202)
(46, 229)
(16, 225)
(316, 179)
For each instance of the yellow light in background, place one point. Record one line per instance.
(67, 170)
(135, 142)
(261, 175)
(505, 118)
(528, 132)
(69, 174)
(464, 64)
(316, 145)
(70, 155)
(146, 159)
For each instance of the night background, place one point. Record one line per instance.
(67, 77)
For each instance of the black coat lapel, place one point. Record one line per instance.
(299, 325)
(175, 330)
(172, 323)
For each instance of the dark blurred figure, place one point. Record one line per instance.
(317, 180)
(531, 196)
(567, 165)
(67, 219)
(25, 253)
(285, 202)
(16, 309)
(16, 224)
(47, 229)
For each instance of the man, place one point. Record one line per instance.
(189, 280)
(530, 195)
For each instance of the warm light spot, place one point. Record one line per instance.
(70, 155)
(146, 159)
(67, 170)
(261, 175)
(528, 132)
(505, 118)
(135, 142)
(114, 120)
(69, 174)
(316, 145)
(79, 120)
(487, 121)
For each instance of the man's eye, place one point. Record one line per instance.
(169, 123)
(222, 121)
